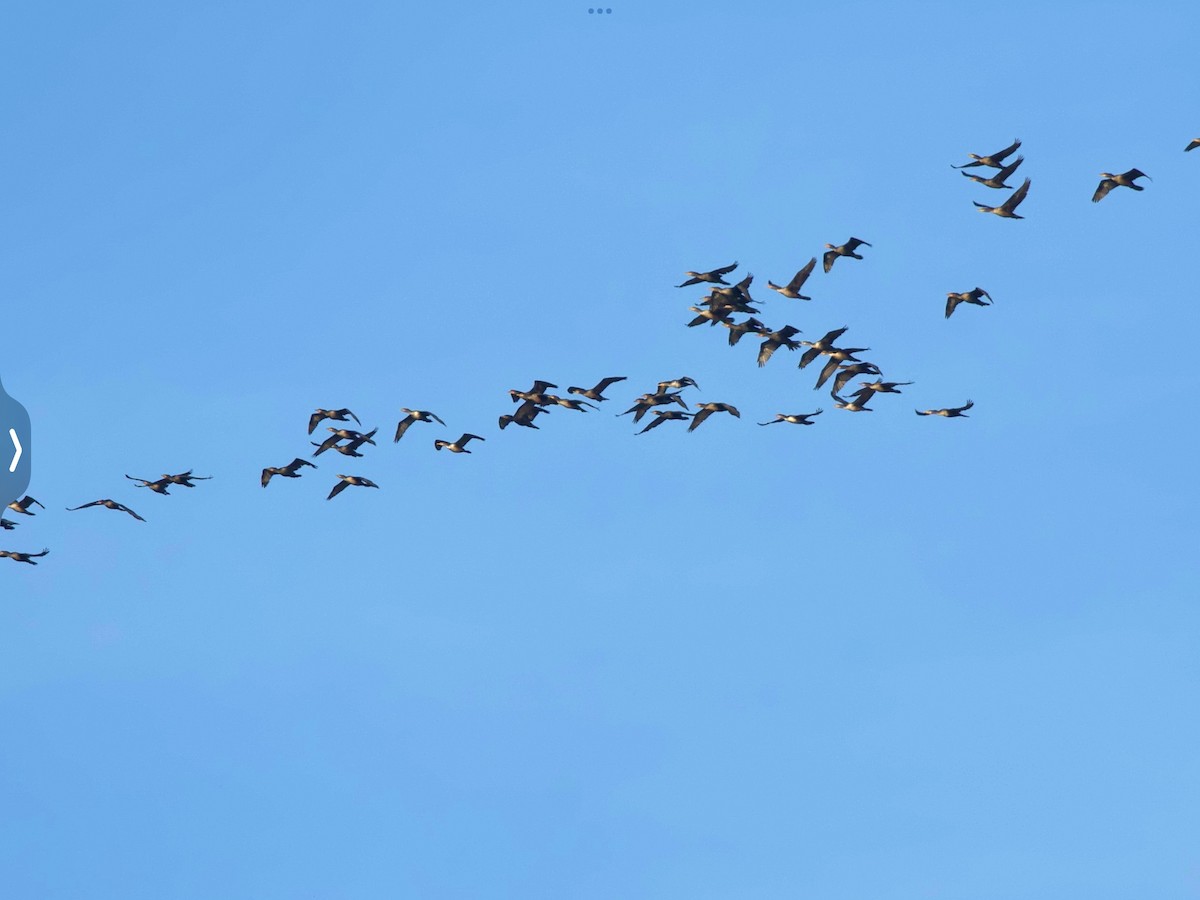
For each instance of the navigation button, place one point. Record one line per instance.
(15, 444)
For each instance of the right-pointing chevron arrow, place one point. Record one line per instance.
(12, 433)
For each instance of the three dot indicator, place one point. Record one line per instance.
(601, 12)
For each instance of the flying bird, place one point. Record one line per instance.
(736, 330)
(414, 415)
(291, 470)
(22, 505)
(846, 249)
(848, 373)
(459, 446)
(1192, 146)
(952, 413)
(792, 288)
(678, 383)
(794, 418)
(1108, 181)
(857, 403)
(338, 415)
(997, 180)
(882, 387)
(347, 481)
(820, 346)
(707, 409)
(836, 358)
(525, 414)
(596, 392)
(775, 340)
(713, 277)
(1005, 209)
(665, 416)
(22, 557)
(7, 525)
(994, 161)
(159, 487)
(953, 299)
(185, 479)
(108, 504)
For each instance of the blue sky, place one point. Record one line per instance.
(884, 656)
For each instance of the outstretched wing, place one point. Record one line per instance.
(800, 277)
(85, 506)
(403, 425)
(854, 243)
(829, 258)
(606, 382)
(952, 301)
(1106, 185)
(724, 270)
(436, 419)
(1018, 195)
(1006, 151)
(123, 508)
(337, 489)
(698, 418)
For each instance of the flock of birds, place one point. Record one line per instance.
(666, 401)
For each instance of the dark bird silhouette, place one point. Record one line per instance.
(713, 277)
(775, 340)
(848, 373)
(338, 415)
(707, 409)
(1108, 181)
(23, 557)
(997, 180)
(792, 288)
(749, 326)
(108, 504)
(665, 416)
(354, 440)
(291, 470)
(414, 415)
(882, 387)
(7, 525)
(678, 384)
(596, 392)
(159, 487)
(952, 413)
(794, 418)
(857, 403)
(567, 403)
(953, 299)
(647, 401)
(459, 446)
(994, 161)
(820, 346)
(536, 394)
(712, 315)
(846, 249)
(1192, 146)
(525, 414)
(22, 505)
(347, 481)
(1005, 209)
(836, 358)
(185, 479)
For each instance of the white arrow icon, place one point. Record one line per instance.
(12, 433)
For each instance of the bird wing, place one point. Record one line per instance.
(725, 270)
(1106, 185)
(315, 419)
(267, 473)
(1009, 169)
(142, 480)
(403, 426)
(970, 403)
(698, 418)
(732, 410)
(298, 462)
(351, 415)
(539, 387)
(1006, 151)
(436, 419)
(606, 382)
(85, 506)
(765, 351)
(1192, 146)
(830, 368)
(337, 489)
(468, 437)
(123, 508)
(854, 243)
(952, 301)
(1018, 196)
(800, 277)
(829, 258)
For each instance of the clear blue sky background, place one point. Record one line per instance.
(885, 656)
